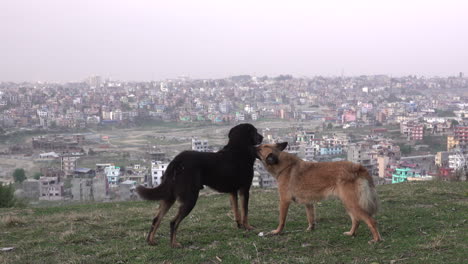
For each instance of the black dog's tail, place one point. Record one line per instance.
(161, 192)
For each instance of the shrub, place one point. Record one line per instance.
(7, 198)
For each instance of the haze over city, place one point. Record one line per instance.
(153, 40)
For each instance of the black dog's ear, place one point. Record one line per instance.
(271, 159)
(281, 146)
(231, 132)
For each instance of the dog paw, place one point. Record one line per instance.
(273, 233)
(248, 227)
(373, 241)
(176, 245)
(348, 234)
(310, 227)
(151, 242)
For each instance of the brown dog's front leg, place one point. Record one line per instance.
(284, 205)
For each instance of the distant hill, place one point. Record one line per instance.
(422, 222)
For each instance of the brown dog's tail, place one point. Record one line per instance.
(367, 195)
(161, 192)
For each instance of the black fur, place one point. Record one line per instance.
(229, 170)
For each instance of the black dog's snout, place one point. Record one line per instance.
(259, 139)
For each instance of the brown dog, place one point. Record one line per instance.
(308, 182)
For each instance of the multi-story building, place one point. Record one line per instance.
(442, 157)
(113, 175)
(402, 175)
(460, 133)
(457, 160)
(68, 164)
(331, 150)
(311, 151)
(50, 188)
(363, 154)
(452, 143)
(157, 172)
(200, 145)
(412, 130)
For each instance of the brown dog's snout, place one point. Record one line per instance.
(257, 152)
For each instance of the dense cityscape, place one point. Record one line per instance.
(400, 129)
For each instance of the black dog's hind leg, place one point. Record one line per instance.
(164, 206)
(185, 208)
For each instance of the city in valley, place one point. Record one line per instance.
(97, 139)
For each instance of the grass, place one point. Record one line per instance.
(420, 223)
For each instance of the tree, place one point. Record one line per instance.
(329, 126)
(19, 175)
(453, 123)
(7, 198)
(37, 175)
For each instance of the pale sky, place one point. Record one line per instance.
(143, 40)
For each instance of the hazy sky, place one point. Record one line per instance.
(66, 40)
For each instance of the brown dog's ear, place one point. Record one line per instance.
(271, 159)
(281, 146)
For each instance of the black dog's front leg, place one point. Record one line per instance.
(244, 197)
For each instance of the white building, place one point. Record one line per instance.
(200, 145)
(112, 174)
(157, 171)
(457, 160)
(240, 116)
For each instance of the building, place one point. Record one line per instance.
(402, 175)
(331, 150)
(262, 178)
(137, 174)
(200, 145)
(311, 151)
(157, 172)
(90, 189)
(31, 189)
(361, 153)
(460, 134)
(442, 158)
(457, 160)
(51, 188)
(382, 163)
(68, 164)
(452, 143)
(113, 175)
(94, 82)
(305, 136)
(412, 130)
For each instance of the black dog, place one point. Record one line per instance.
(229, 170)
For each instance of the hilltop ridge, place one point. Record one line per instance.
(423, 222)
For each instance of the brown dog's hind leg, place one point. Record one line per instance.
(164, 206)
(359, 214)
(372, 224)
(310, 211)
(244, 195)
(235, 209)
(354, 225)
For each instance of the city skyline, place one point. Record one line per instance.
(58, 41)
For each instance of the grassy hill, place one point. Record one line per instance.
(420, 223)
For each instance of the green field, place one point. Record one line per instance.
(420, 223)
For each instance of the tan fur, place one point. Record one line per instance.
(309, 182)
